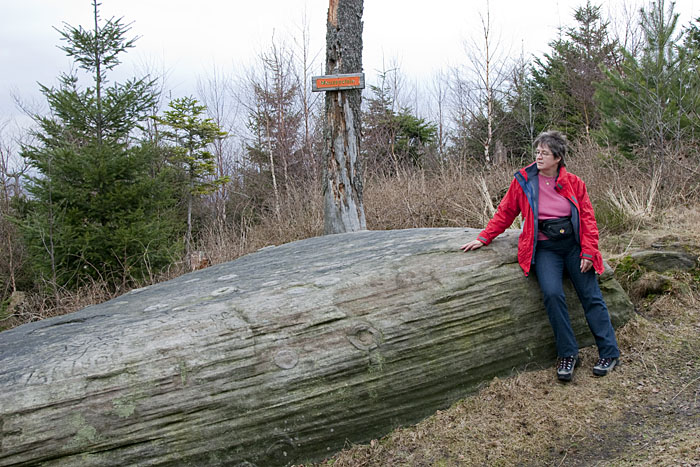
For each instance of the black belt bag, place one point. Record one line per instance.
(557, 229)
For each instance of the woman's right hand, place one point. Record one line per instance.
(473, 245)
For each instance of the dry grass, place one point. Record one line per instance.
(300, 216)
(452, 196)
(37, 306)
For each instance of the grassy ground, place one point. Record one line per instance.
(647, 412)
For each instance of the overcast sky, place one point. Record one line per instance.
(187, 38)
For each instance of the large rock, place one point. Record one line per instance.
(281, 356)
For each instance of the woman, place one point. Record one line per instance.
(559, 234)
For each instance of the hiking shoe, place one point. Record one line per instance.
(565, 368)
(605, 366)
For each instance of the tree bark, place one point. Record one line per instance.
(282, 356)
(342, 182)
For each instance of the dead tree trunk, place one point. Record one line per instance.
(342, 183)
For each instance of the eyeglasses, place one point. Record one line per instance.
(543, 153)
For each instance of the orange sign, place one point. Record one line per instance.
(338, 82)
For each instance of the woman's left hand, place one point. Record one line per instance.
(586, 265)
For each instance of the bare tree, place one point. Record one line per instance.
(342, 186)
(625, 28)
(481, 89)
(11, 171)
(309, 101)
(159, 73)
(395, 83)
(216, 93)
(267, 128)
(521, 98)
(438, 95)
(275, 116)
(380, 127)
(259, 155)
(460, 108)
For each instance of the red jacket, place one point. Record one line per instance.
(522, 197)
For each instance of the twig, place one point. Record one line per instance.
(566, 453)
(684, 387)
(563, 458)
(636, 229)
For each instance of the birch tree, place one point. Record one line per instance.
(479, 89)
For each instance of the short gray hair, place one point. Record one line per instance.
(556, 142)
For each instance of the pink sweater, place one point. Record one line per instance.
(552, 204)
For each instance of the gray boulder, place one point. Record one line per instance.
(281, 356)
(665, 260)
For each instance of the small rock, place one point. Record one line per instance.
(665, 260)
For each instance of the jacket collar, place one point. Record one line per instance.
(531, 171)
(562, 177)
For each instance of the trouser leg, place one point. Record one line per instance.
(594, 306)
(549, 267)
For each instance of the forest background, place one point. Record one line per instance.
(118, 186)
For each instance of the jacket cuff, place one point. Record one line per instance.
(587, 256)
(483, 239)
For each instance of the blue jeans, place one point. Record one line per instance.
(552, 258)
